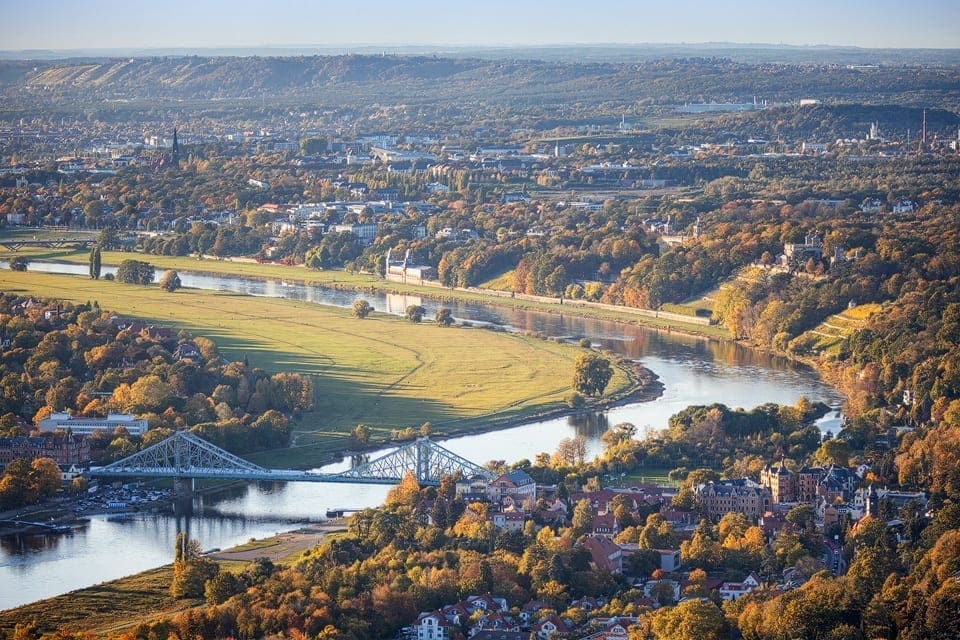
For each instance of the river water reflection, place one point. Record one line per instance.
(693, 371)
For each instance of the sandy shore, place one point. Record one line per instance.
(283, 545)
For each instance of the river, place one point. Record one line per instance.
(692, 370)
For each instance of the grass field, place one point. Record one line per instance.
(344, 280)
(102, 608)
(383, 371)
(651, 475)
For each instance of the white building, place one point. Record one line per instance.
(86, 426)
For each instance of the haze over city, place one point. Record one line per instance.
(109, 24)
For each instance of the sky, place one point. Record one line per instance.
(198, 24)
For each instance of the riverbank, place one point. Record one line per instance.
(115, 605)
(361, 282)
(644, 386)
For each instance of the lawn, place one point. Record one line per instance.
(650, 475)
(383, 371)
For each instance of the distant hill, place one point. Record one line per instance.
(421, 80)
(751, 53)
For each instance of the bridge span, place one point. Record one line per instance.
(186, 456)
(59, 243)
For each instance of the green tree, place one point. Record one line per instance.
(19, 264)
(135, 272)
(591, 374)
(95, 263)
(361, 308)
(170, 281)
(833, 451)
(221, 587)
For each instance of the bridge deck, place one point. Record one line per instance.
(186, 455)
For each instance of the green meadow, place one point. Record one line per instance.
(363, 281)
(382, 371)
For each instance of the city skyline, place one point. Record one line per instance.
(177, 24)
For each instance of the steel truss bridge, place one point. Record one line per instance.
(80, 243)
(187, 456)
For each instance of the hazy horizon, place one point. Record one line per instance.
(107, 25)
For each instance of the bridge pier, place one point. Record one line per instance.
(183, 496)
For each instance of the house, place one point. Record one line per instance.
(551, 627)
(669, 559)
(733, 590)
(531, 608)
(508, 519)
(69, 450)
(456, 613)
(780, 481)
(473, 488)
(605, 524)
(587, 603)
(86, 426)
(605, 554)
(743, 496)
(70, 471)
(615, 628)
(836, 482)
(487, 602)
(365, 232)
(903, 206)
(432, 626)
(494, 621)
(188, 351)
(513, 196)
(516, 484)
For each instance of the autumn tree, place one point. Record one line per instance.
(361, 308)
(694, 618)
(591, 374)
(45, 475)
(170, 281)
(191, 569)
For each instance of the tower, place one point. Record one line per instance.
(870, 502)
(923, 137)
(175, 150)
